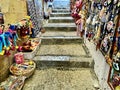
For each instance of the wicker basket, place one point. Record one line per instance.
(25, 73)
(13, 83)
(19, 82)
(30, 55)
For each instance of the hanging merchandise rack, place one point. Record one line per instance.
(32, 12)
(102, 26)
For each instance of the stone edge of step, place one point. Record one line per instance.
(86, 50)
(60, 37)
(61, 18)
(84, 62)
(69, 59)
(60, 14)
(65, 25)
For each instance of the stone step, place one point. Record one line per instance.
(61, 19)
(62, 50)
(63, 61)
(48, 40)
(60, 27)
(60, 14)
(60, 33)
(61, 10)
(61, 79)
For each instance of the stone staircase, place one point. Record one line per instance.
(63, 61)
(61, 40)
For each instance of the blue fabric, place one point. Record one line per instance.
(7, 35)
(12, 27)
(3, 39)
(1, 44)
(15, 37)
(118, 43)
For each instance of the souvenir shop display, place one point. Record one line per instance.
(25, 68)
(26, 34)
(20, 70)
(26, 28)
(100, 21)
(18, 38)
(79, 13)
(114, 75)
(29, 45)
(23, 31)
(13, 83)
(8, 39)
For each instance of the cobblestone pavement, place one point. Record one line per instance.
(60, 79)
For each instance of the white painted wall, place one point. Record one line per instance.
(101, 68)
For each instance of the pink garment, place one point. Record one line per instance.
(1, 31)
(19, 58)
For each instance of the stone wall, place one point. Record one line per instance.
(101, 68)
(14, 10)
(5, 63)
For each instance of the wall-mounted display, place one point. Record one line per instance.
(102, 26)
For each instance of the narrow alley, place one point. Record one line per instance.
(62, 62)
(59, 44)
